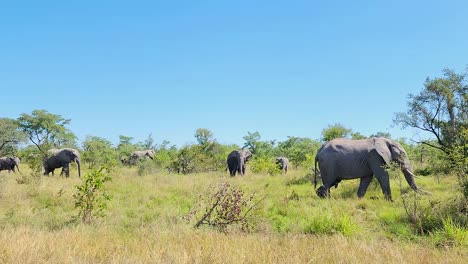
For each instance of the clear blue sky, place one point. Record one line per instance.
(282, 68)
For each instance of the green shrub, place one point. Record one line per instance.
(224, 206)
(264, 165)
(91, 196)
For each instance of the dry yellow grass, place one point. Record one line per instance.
(100, 245)
(144, 225)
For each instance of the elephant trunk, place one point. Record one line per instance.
(409, 176)
(78, 162)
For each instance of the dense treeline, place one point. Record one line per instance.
(46, 130)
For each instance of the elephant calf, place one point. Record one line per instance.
(9, 163)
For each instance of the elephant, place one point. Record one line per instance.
(236, 161)
(344, 159)
(141, 154)
(9, 163)
(283, 163)
(61, 158)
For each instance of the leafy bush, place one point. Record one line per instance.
(264, 165)
(91, 196)
(99, 152)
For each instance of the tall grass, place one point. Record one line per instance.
(144, 223)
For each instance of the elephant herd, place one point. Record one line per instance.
(339, 159)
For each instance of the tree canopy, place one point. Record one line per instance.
(10, 136)
(46, 130)
(440, 109)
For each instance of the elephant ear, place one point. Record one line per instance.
(383, 150)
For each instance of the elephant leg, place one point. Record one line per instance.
(323, 192)
(232, 172)
(240, 168)
(65, 170)
(365, 181)
(384, 179)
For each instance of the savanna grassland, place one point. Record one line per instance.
(144, 222)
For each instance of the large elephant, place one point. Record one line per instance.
(343, 159)
(283, 163)
(9, 163)
(141, 154)
(61, 158)
(236, 161)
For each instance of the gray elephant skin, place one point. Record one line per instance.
(236, 161)
(9, 163)
(141, 154)
(283, 163)
(61, 158)
(344, 159)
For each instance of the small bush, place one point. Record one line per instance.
(222, 207)
(91, 197)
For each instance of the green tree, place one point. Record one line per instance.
(251, 141)
(125, 146)
(357, 135)
(148, 143)
(98, 152)
(10, 136)
(204, 137)
(46, 130)
(440, 109)
(257, 147)
(298, 150)
(335, 131)
(381, 134)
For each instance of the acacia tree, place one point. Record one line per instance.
(440, 109)
(46, 130)
(10, 136)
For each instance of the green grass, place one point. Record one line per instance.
(150, 207)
